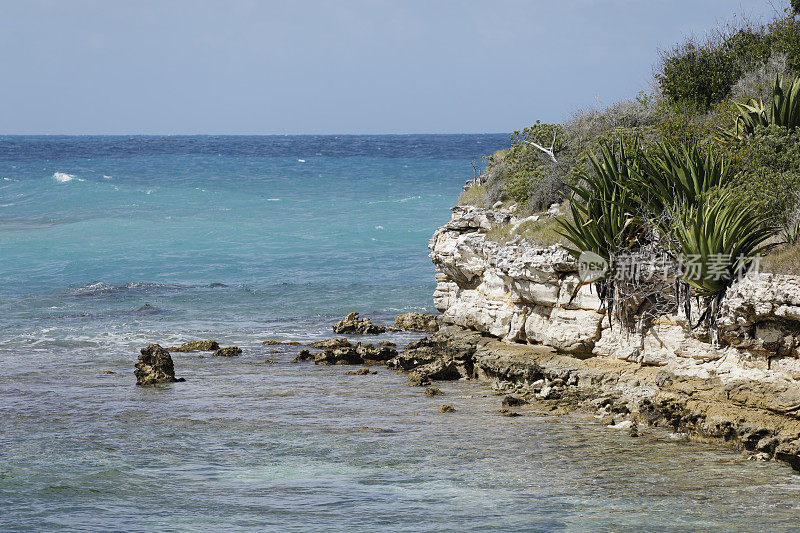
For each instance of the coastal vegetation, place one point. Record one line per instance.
(703, 171)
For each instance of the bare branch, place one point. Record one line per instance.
(548, 151)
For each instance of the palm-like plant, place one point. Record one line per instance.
(719, 238)
(603, 207)
(678, 176)
(784, 110)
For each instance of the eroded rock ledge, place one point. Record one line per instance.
(745, 392)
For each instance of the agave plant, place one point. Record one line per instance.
(603, 207)
(678, 176)
(719, 238)
(784, 111)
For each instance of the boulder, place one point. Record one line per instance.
(196, 346)
(359, 326)
(447, 408)
(433, 391)
(414, 321)
(155, 366)
(347, 353)
(230, 351)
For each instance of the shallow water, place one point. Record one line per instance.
(166, 240)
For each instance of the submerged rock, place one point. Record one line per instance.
(447, 408)
(355, 325)
(360, 372)
(230, 351)
(273, 342)
(433, 391)
(508, 413)
(155, 366)
(196, 346)
(414, 321)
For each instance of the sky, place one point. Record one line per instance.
(342, 66)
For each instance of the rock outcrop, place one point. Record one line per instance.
(537, 332)
(352, 324)
(155, 366)
(414, 321)
(196, 346)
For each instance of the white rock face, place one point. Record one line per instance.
(522, 292)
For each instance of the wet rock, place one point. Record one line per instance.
(347, 353)
(416, 380)
(230, 351)
(270, 362)
(196, 346)
(414, 321)
(330, 343)
(633, 431)
(390, 344)
(360, 372)
(304, 355)
(608, 421)
(359, 326)
(433, 391)
(340, 355)
(508, 413)
(447, 408)
(435, 371)
(155, 366)
(275, 343)
(513, 401)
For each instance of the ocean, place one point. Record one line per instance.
(108, 244)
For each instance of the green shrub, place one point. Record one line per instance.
(697, 75)
(768, 173)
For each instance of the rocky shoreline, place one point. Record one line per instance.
(518, 322)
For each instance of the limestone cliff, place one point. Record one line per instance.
(522, 293)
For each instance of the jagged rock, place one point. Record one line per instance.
(347, 353)
(414, 321)
(230, 351)
(196, 346)
(437, 370)
(304, 355)
(155, 366)
(330, 343)
(433, 391)
(360, 372)
(360, 326)
(447, 408)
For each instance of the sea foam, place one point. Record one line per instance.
(63, 177)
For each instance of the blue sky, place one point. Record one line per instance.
(261, 67)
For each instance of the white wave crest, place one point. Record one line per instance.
(63, 177)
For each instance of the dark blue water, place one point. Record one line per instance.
(110, 243)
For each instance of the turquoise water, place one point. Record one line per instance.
(110, 243)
